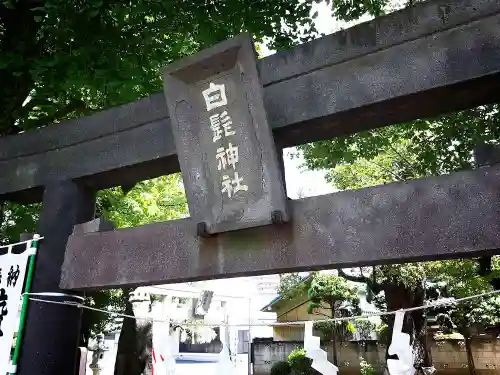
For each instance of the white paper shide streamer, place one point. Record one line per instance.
(163, 341)
(12, 272)
(319, 356)
(400, 346)
(224, 364)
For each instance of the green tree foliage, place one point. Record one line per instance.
(458, 279)
(334, 294)
(74, 57)
(94, 322)
(159, 199)
(412, 150)
(397, 287)
(394, 164)
(16, 219)
(292, 285)
(330, 296)
(468, 318)
(365, 328)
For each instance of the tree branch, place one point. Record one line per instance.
(356, 279)
(396, 177)
(408, 163)
(371, 283)
(484, 266)
(76, 105)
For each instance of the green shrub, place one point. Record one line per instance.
(384, 334)
(366, 368)
(280, 368)
(299, 363)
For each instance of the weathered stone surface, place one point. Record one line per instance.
(96, 225)
(435, 57)
(224, 144)
(433, 218)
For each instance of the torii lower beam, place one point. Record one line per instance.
(433, 218)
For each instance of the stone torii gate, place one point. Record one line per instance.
(435, 57)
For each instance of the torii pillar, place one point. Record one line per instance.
(50, 344)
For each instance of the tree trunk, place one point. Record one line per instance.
(470, 357)
(85, 328)
(399, 297)
(127, 362)
(2, 211)
(134, 346)
(419, 317)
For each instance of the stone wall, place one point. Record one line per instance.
(449, 356)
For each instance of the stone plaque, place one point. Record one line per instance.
(225, 147)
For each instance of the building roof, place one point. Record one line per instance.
(273, 301)
(278, 298)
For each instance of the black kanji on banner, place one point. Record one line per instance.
(13, 276)
(3, 307)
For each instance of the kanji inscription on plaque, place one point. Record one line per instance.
(225, 147)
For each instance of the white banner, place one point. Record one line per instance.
(12, 272)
